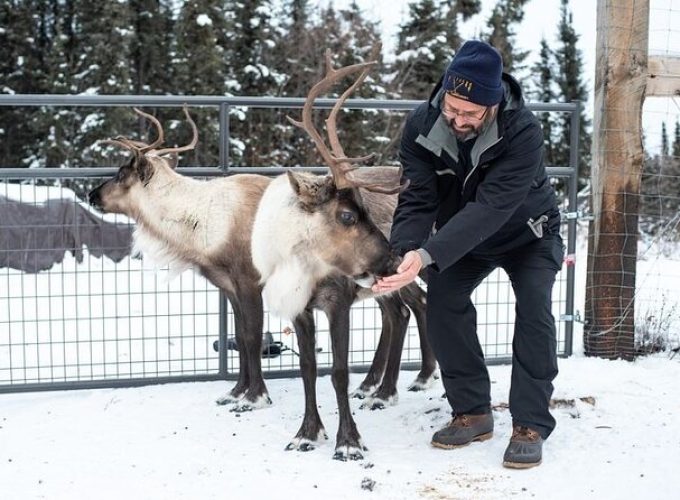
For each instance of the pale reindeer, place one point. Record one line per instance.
(207, 225)
(302, 258)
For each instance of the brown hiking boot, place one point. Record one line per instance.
(463, 430)
(524, 450)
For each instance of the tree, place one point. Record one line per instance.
(572, 88)
(23, 70)
(544, 71)
(454, 11)
(664, 140)
(151, 46)
(676, 141)
(424, 49)
(200, 67)
(252, 71)
(505, 14)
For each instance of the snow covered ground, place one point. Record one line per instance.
(618, 434)
(622, 441)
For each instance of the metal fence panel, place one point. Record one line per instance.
(90, 321)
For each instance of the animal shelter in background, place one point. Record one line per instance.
(77, 310)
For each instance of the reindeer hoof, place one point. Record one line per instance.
(228, 400)
(359, 394)
(344, 453)
(379, 403)
(421, 383)
(306, 444)
(301, 445)
(244, 405)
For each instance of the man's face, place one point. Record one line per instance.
(466, 118)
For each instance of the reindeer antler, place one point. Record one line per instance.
(189, 146)
(340, 165)
(140, 147)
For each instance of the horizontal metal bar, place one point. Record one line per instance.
(216, 101)
(107, 383)
(87, 172)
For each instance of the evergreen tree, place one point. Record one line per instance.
(572, 88)
(200, 67)
(505, 14)
(23, 48)
(253, 73)
(296, 60)
(356, 39)
(424, 48)
(544, 71)
(151, 46)
(664, 140)
(455, 11)
(676, 141)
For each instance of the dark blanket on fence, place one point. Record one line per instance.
(34, 237)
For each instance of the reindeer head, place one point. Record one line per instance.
(348, 238)
(123, 193)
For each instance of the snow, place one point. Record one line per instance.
(616, 436)
(203, 20)
(172, 441)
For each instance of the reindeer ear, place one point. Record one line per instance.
(144, 169)
(294, 182)
(172, 160)
(311, 190)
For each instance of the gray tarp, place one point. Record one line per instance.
(34, 237)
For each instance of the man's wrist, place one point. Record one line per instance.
(425, 257)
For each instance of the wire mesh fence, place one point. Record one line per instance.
(78, 310)
(632, 290)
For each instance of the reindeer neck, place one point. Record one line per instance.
(173, 208)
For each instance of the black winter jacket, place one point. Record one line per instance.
(480, 204)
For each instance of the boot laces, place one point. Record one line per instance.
(523, 433)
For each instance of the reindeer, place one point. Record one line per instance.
(207, 226)
(316, 224)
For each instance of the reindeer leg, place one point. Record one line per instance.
(415, 299)
(248, 313)
(348, 441)
(377, 369)
(397, 315)
(312, 430)
(242, 383)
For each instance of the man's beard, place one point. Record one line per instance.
(467, 132)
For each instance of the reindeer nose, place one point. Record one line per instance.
(93, 198)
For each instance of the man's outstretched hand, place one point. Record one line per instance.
(406, 272)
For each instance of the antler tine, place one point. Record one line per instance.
(139, 145)
(331, 77)
(120, 141)
(378, 188)
(331, 121)
(159, 140)
(189, 146)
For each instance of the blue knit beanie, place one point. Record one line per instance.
(475, 74)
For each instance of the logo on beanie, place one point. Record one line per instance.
(459, 86)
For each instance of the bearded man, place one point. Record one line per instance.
(479, 199)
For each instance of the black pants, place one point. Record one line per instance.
(452, 331)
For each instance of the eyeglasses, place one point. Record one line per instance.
(452, 113)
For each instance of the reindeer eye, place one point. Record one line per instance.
(347, 218)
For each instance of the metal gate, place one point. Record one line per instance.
(80, 312)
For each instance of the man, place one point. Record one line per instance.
(479, 199)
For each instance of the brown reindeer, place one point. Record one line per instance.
(314, 222)
(207, 226)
